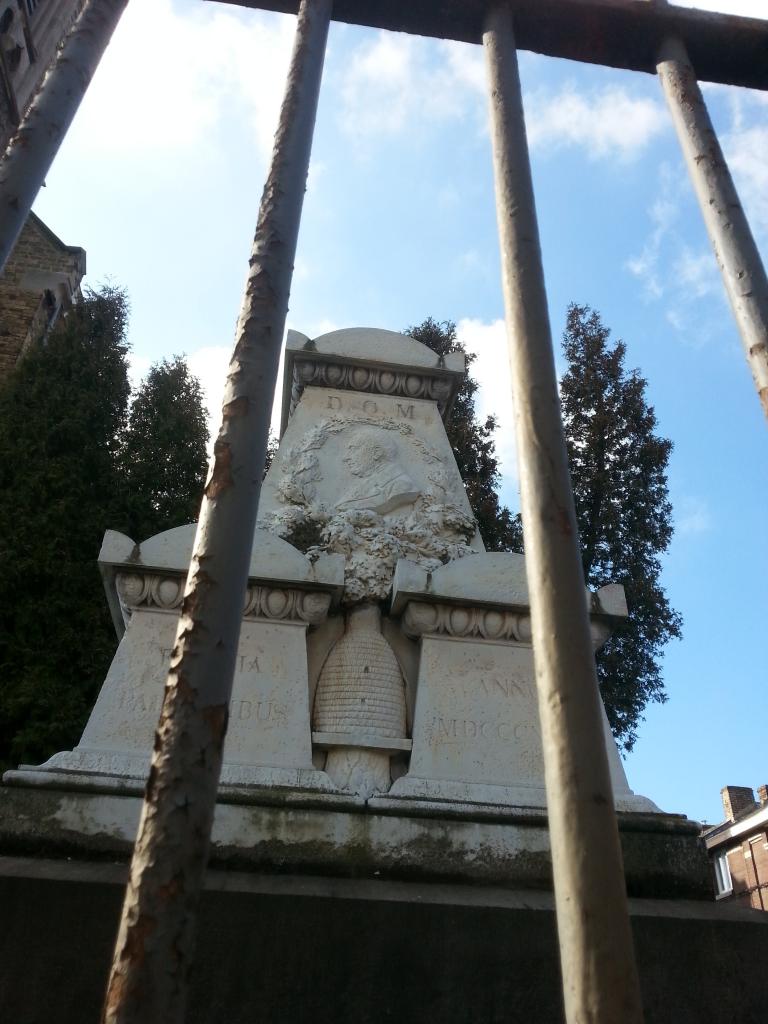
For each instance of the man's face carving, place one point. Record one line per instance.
(366, 454)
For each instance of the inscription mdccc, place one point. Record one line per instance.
(444, 730)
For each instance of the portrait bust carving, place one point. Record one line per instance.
(384, 483)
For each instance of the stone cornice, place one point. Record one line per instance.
(371, 361)
(160, 592)
(462, 621)
(477, 622)
(315, 370)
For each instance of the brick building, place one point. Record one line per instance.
(30, 32)
(738, 848)
(41, 279)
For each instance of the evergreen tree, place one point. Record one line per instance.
(62, 417)
(164, 456)
(618, 469)
(75, 461)
(473, 445)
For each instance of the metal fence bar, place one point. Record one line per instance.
(727, 225)
(153, 954)
(32, 149)
(614, 33)
(599, 976)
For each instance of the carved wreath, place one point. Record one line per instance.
(432, 532)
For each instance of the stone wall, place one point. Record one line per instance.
(41, 278)
(344, 951)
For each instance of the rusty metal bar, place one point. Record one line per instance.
(600, 982)
(153, 954)
(737, 255)
(31, 151)
(616, 33)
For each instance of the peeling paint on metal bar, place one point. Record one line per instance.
(737, 255)
(148, 980)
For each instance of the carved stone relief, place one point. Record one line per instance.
(393, 501)
(377, 380)
(165, 593)
(460, 621)
(359, 705)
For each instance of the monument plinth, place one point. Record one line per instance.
(384, 716)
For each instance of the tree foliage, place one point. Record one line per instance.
(62, 417)
(164, 455)
(76, 459)
(473, 444)
(618, 469)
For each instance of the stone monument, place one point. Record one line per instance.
(383, 783)
(384, 655)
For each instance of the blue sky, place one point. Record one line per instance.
(160, 179)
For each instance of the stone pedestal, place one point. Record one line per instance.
(476, 736)
(384, 715)
(268, 738)
(364, 951)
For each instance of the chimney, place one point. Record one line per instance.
(736, 800)
(762, 793)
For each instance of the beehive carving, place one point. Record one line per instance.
(361, 688)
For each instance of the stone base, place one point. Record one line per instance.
(449, 791)
(346, 951)
(85, 768)
(276, 830)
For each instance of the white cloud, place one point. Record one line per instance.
(394, 82)
(137, 368)
(692, 516)
(746, 149)
(662, 214)
(696, 272)
(169, 75)
(608, 122)
(397, 84)
(491, 369)
(674, 272)
(472, 261)
(211, 363)
(467, 66)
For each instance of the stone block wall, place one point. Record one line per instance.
(333, 951)
(41, 278)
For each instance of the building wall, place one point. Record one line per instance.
(30, 32)
(741, 843)
(42, 278)
(748, 864)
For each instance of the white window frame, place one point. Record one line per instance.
(723, 874)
